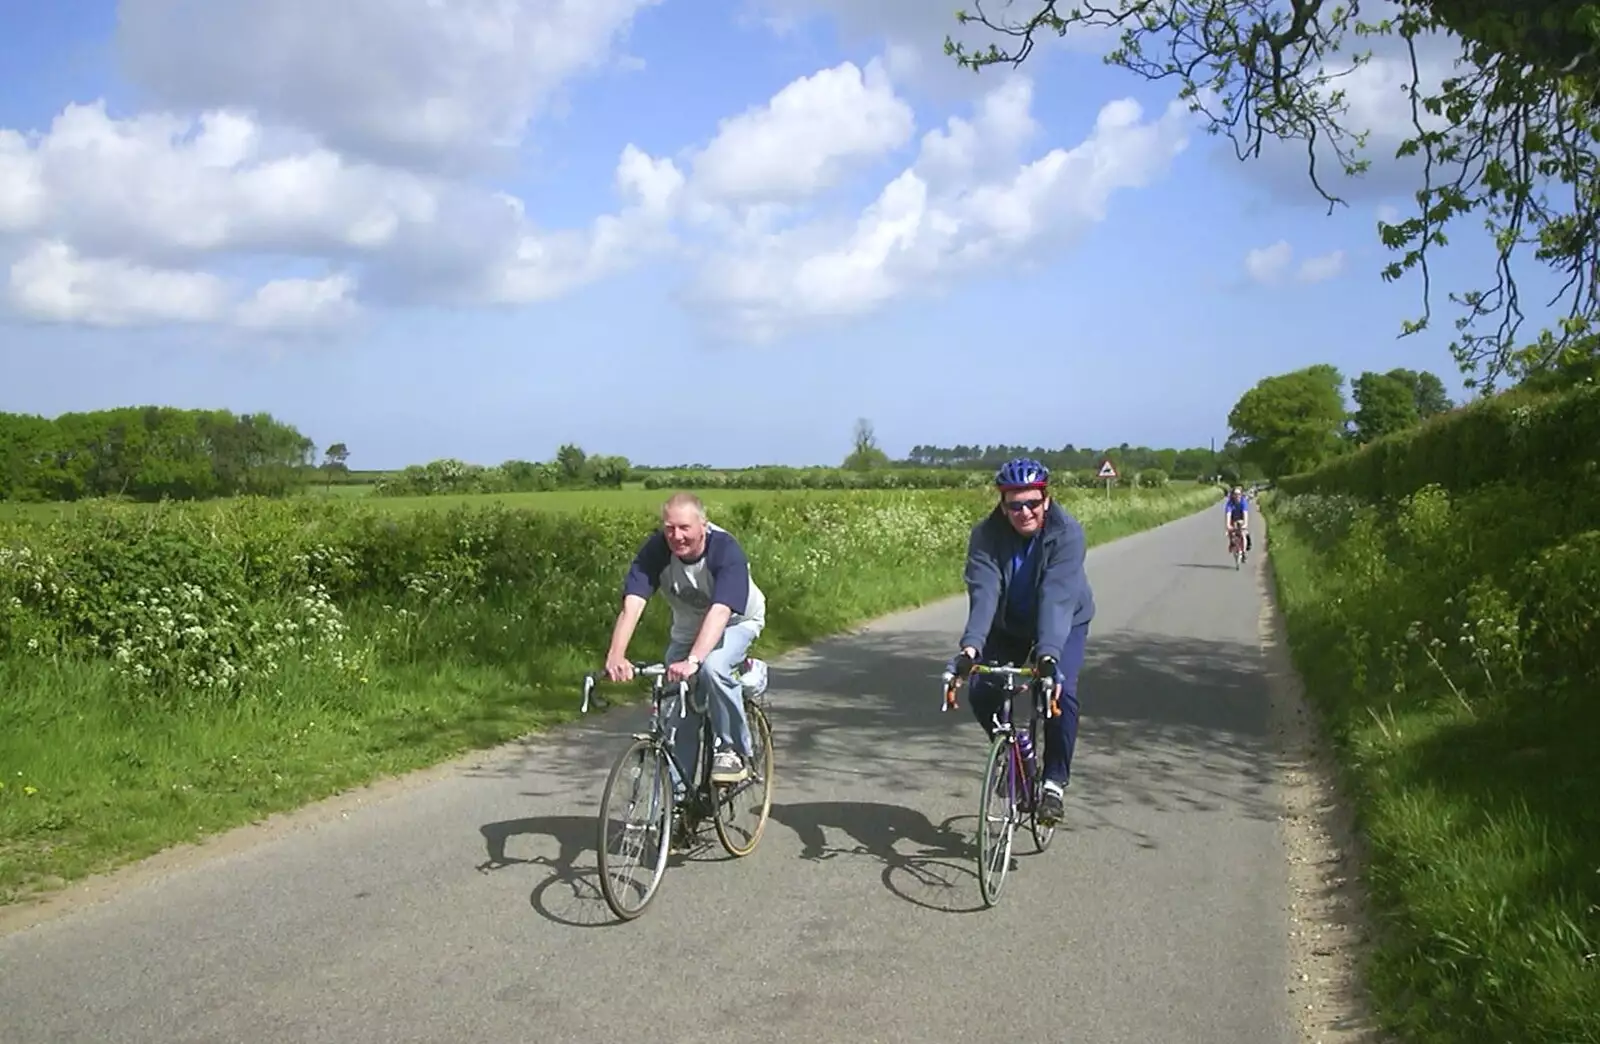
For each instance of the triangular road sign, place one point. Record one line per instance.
(1107, 470)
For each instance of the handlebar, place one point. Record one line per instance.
(641, 668)
(952, 682)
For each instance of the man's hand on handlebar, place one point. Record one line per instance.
(961, 666)
(618, 669)
(1045, 667)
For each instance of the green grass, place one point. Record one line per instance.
(1475, 775)
(632, 496)
(97, 773)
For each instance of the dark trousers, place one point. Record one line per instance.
(1060, 734)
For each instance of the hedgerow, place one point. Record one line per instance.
(1450, 633)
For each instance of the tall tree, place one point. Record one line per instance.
(1511, 134)
(1385, 403)
(865, 454)
(1427, 390)
(1291, 422)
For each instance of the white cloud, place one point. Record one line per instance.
(52, 282)
(175, 187)
(1269, 265)
(542, 266)
(940, 217)
(439, 82)
(806, 138)
(281, 148)
(299, 304)
(911, 35)
(1322, 268)
(146, 198)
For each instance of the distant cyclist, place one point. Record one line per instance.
(1027, 594)
(1236, 513)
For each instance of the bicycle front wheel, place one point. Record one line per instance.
(1042, 833)
(997, 819)
(639, 838)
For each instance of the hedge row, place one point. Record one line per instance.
(1440, 588)
(210, 599)
(1512, 437)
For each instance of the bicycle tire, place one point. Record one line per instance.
(759, 727)
(1042, 835)
(664, 824)
(990, 881)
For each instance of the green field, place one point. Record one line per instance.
(174, 670)
(633, 497)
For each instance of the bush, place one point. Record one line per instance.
(780, 478)
(1512, 437)
(1152, 478)
(1450, 640)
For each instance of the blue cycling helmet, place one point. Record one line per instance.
(1022, 473)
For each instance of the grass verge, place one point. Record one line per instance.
(1448, 644)
(175, 671)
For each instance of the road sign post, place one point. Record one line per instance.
(1108, 471)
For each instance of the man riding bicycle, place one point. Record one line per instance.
(1236, 512)
(1027, 594)
(717, 611)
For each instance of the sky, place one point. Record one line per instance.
(675, 231)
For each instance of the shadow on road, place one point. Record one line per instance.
(935, 872)
(1170, 726)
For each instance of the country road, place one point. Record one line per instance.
(466, 910)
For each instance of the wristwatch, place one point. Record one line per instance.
(692, 658)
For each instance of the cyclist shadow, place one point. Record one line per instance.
(934, 869)
(570, 893)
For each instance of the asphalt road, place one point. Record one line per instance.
(468, 909)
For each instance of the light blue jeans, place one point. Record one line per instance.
(722, 692)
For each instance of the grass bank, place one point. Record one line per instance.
(172, 671)
(1449, 642)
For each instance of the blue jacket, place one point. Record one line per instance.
(1053, 571)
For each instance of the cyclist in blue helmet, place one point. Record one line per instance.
(1028, 596)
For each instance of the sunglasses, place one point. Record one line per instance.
(1017, 507)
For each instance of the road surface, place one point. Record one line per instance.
(468, 910)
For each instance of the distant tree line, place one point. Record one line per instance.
(148, 453)
(1128, 460)
(572, 468)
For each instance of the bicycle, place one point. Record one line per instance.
(702, 798)
(1236, 545)
(1013, 766)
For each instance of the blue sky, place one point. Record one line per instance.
(415, 229)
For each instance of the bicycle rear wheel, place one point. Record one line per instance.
(641, 777)
(740, 836)
(997, 819)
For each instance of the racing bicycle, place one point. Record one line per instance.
(1236, 544)
(1013, 778)
(642, 780)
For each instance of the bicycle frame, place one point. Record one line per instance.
(1046, 704)
(665, 736)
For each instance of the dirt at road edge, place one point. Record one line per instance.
(1328, 917)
